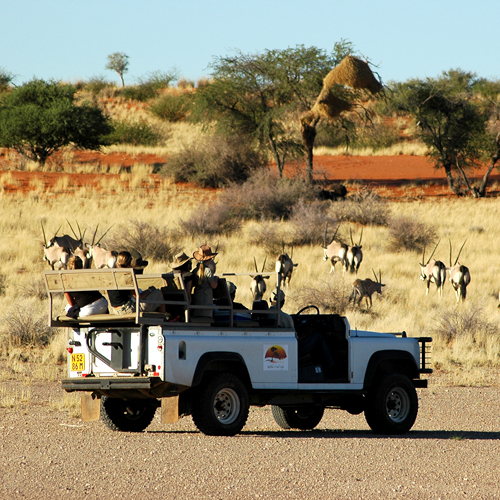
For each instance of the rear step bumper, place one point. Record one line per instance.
(110, 383)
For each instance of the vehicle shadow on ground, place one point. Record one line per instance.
(365, 434)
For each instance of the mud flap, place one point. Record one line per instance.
(170, 409)
(91, 407)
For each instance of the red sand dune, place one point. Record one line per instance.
(393, 177)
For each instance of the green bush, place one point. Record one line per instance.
(406, 233)
(134, 133)
(214, 161)
(378, 135)
(143, 92)
(171, 107)
(97, 84)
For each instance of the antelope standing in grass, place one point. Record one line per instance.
(101, 257)
(335, 252)
(56, 256)
(284, 266)
(459, 276)
(366, 288)
(258, 286)
(65, 241)
(354, 254)
(433, 271)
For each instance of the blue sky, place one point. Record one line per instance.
(69, 40)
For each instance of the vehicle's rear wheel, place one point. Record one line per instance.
(132, 415)
(221, 405)
(303, 418)
(392, 405)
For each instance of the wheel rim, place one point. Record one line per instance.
(133, 412)
(398, 404)
(227, 406)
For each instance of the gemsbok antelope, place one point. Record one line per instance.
(102, 258)
(65, 241)
(459, 276)
(366, 288)
(258, 286)
(354, 255)
(56, 256)
(433, 271)
(284, 266)
(335, 251)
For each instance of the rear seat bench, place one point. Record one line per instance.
(110, 279)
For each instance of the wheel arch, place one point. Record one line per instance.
(391, 361)
(216, 362)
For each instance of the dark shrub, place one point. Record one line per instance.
(218, 220)
(214, 161)
(152, 242)
(271, 237)
(308, 223)
(331, 296)
(406, 233)
(364, 207)
(264, 197)
(470, 324)
(25, 327)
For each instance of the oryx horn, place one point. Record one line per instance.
(459, 252)
(255, 262)
(44, 237)
(435, 248)
(360, 238)
(95, 232)
(72, 230)
(264, 265)
(105, 233)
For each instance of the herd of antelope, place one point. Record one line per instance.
(432, 271)
(58, 250)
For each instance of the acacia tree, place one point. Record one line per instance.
(118, 62)
(40, 117)
(453, 122)
(260, 95)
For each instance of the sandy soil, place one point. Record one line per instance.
(393, 177)
(452, 452)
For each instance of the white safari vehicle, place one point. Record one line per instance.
(128, 366)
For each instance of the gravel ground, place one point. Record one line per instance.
(452, 452)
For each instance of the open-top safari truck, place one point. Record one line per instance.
(215, 368)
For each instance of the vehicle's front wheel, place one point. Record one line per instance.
(132, 415)
(392, 405)
(221, 405)
(304, 418)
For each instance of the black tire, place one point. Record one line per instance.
(392, 405)
(132, 415)
(303, 418)
(221, 405)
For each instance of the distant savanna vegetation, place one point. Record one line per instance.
(227, 144)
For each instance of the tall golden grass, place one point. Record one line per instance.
(469, 357)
